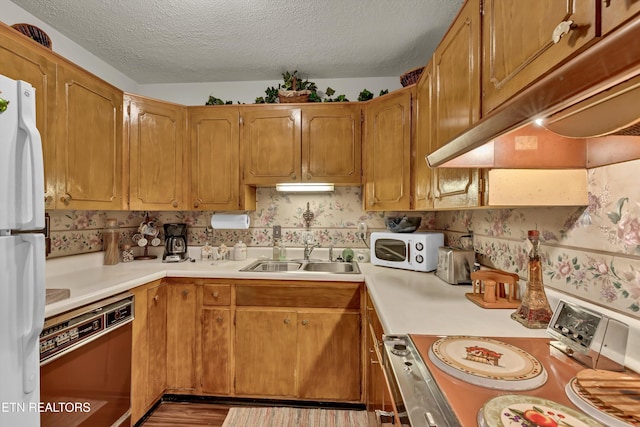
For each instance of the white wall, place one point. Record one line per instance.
(13, 14)
(246, 92)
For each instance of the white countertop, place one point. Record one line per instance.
(406, 302)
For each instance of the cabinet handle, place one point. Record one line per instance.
(174, 203)
(374, 362)
(156, 298)
(305, 322)
(196, 204)
(561, 29)
(65, 199)
(287, 321)
(309, 176)
(606, 3)
(293, 176)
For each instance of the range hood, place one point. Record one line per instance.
(588, 107)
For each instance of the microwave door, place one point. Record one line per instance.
(391, 250)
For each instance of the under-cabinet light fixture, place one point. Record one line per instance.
(304, 187)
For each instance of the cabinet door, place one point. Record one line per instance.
(88, 141)
(216, 350)
(421, 176)
(387, 152)
(616, 12)
(156, 153)
(23, 60)
(215, 157)
(181, 337)
(329, 363)
(157, 342)
(457, 104)
(518, 46)
(457, 76)
(270, 143)
(331, 144)
(265, 352)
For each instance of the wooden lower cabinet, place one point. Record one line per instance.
(149, 347)
(181, 336)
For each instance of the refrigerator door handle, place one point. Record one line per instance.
(34, 293)
(33, 172)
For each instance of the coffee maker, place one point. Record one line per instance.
(175, 245)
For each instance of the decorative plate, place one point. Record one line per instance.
(579, 398)
(517, 410)
(488, 363)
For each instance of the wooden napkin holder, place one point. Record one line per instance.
(494, 289)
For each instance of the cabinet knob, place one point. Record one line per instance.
(287, 321)
(156, 298)
(305, 322)
(561, 29)
(293, 176)
(48, 199)
(219, 319)
(185, 293)
(196, 204)
(309, 176)
(174, 203)
(606, 3)
(215, 294)
(65, 199)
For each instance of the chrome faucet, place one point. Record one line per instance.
(308, 249)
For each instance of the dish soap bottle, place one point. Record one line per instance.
(282, 249)
(534, 311)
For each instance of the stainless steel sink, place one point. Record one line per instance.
(275, 266)
(303, 266)
(332, 267)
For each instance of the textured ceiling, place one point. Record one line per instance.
(179, 41)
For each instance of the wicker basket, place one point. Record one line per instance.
(290, 96)
(34, 33)
(294, 95)
(411, 76)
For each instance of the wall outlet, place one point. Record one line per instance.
(362, 230)
(277, 232)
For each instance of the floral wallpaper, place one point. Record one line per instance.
(592, 252)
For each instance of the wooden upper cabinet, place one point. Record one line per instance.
(518, 45)
(456, 64)
(331, 144)
(421, 174)
(156, 154)
(21, 59)
(270, 140)
(215, 157)
(387, 152)
(616, 12)
(89, 142)
(456, 107)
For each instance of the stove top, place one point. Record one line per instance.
(463, 400)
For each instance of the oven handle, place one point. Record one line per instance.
(385, 418)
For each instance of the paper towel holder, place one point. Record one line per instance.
(230, 221)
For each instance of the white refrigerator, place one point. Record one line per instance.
(22, 255)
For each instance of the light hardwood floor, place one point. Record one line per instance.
(174, 414)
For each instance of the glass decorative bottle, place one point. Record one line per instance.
(534, 311)
(110, 242)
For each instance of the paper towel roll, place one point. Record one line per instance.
(230, 221)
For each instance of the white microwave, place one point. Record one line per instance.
(410, 251)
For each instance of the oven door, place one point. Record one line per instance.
(89, 386)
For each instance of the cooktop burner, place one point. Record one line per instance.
(488, 363)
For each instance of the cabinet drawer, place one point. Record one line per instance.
(338, 295)
(216, 294)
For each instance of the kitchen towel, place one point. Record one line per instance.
(230, 221)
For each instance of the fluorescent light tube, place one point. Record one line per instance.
(304, 187)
